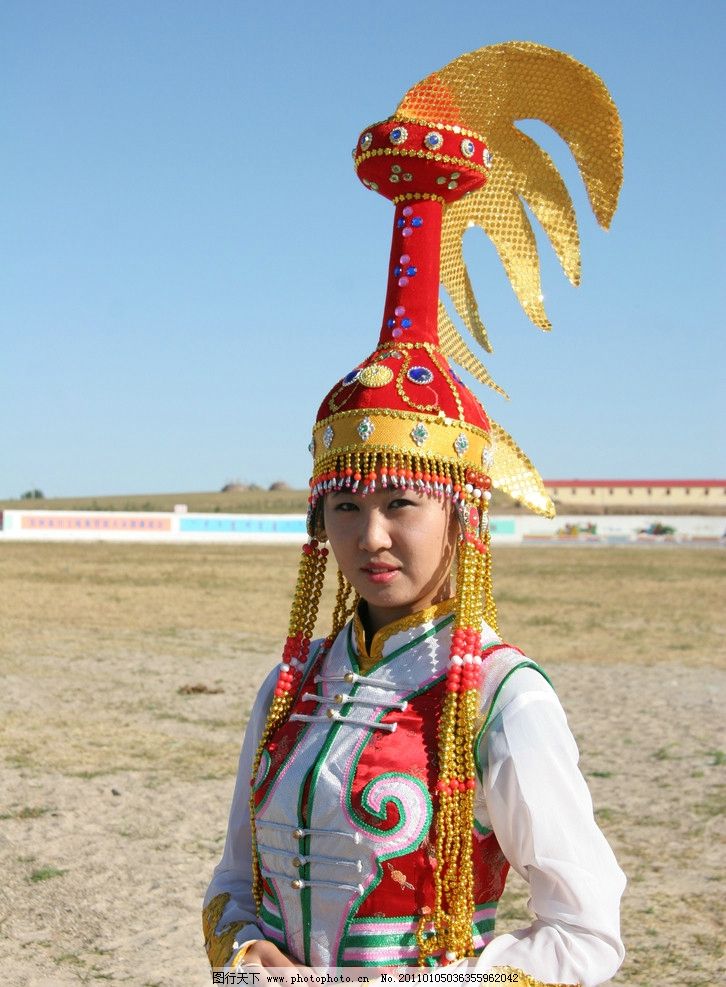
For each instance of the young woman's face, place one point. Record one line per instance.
(395, 547)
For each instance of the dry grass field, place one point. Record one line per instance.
(256, 500)
(115, 781)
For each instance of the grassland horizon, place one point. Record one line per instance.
(256, 500)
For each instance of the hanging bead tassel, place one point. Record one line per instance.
(344, 605)
(449, 934)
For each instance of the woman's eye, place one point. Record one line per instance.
(346, 505)
(401, 502)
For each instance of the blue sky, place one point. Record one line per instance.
(187, 261)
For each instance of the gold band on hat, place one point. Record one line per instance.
(407, 433)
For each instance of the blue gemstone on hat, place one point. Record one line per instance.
(416, 221)
(433, 140)
(391, 323)
(351, 377)
(420, 375)
(396, 271)
(406, 323)
(411, 271)
(400, 222)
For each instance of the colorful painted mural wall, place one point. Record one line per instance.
(609, 529)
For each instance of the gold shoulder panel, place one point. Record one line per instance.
(219, 944)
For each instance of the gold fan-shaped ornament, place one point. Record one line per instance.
(488, 91)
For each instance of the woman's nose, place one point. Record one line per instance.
(373, 535)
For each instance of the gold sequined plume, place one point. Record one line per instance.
(488, 91)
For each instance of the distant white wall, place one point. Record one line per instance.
(143, 526)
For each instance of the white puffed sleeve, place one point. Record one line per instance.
(232, 876)
(537, 802)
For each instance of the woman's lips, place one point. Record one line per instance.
(380, 573)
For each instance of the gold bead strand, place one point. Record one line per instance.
(341, 597)
(490, 606)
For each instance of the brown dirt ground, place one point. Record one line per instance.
(114, 786)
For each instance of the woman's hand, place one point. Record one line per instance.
(267, 956)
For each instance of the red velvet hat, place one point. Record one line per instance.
(451, 157)
(402, 416)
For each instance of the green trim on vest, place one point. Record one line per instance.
(526, 663)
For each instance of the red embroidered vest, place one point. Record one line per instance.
(380, 923)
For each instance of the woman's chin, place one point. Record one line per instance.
(388, 605)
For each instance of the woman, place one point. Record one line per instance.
(401, 765)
